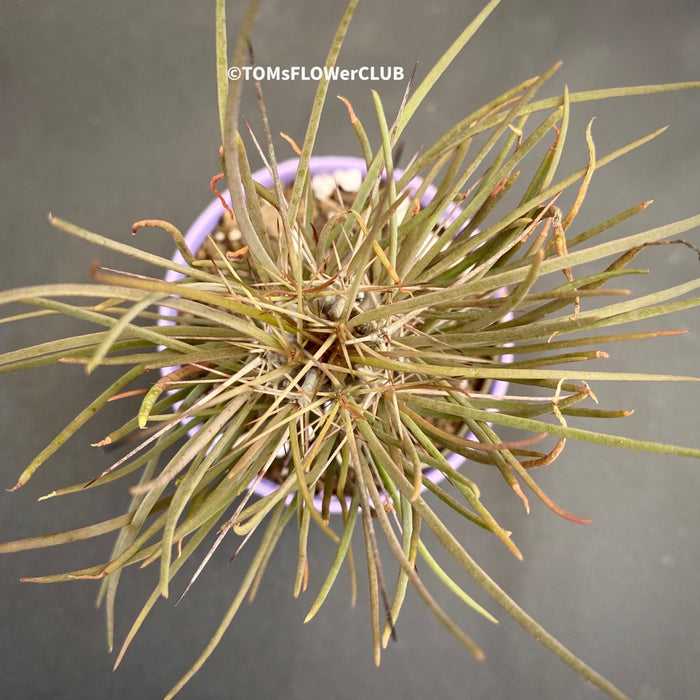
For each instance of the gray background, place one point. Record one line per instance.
(109, 116)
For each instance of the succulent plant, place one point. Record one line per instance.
(354, 355)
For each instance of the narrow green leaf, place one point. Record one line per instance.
(81, 533)
(341, 553)
(77, 422)
(441, 66)
(118, 328)
(448, 540)
(232, 610)
(315, 116)
(130, 251)
(562, 431)
(499, 280)
(221, 63)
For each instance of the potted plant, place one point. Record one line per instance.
(208, 236)
(349, 348)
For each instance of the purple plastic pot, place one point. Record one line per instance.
(206, 222)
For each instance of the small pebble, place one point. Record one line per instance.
(323, 186)
(348, 180)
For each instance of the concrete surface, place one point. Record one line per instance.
(109, 115)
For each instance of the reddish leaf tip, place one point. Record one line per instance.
(516, 487)
(18, 485)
